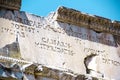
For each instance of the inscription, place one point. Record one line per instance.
(22, 29)
(79, 41)
(55, 46)
(33, 26)
(26, 27)
(56, 42)
(22, 20)
(102, 52)
(64, 30)
(110, 61)
(93, 51)
(4, 30)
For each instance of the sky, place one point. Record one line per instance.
(106, 8)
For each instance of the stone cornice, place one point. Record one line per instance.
(96, 23)
(10, 4)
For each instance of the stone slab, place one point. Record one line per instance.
(59, 45)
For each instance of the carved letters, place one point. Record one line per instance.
(67, 44)
(55, 46)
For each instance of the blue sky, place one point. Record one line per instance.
(105, 8)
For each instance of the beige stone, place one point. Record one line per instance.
(64, 46)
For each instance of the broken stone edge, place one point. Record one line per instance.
(37, 70)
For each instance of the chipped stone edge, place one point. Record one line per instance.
(39, 70)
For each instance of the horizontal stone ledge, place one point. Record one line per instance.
(13, 60)
(93, 22)
(10, 4)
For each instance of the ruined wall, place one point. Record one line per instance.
(58, 45)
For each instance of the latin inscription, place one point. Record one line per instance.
(55, 46)
(25, 27)
(110, 61)
(66, 31)
(93, 51)
(33, 25)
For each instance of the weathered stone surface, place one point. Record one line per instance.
(10, 4)
(70, 51)
(52, 74)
